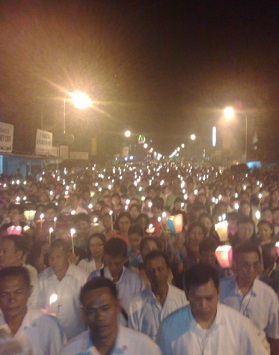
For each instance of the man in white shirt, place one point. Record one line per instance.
(34, 329)
(205, 327)
(253, 298)
(74, 206)
(128, 283)
(12, 253)
(59, 288)
(155, 302)
(105, 336)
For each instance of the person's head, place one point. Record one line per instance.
(74, 201)
(266, 214)
(134, 210)
(15, 289)
(123, 222)
(148, 244)
(157, 268)
(245, 228)
(96, 245)
(135, 235)
(50, 212)
(58, 255)
(207, 222)
(274, 196)
(115, 255)
(82, 223)
(207, 249)
(116, 200)
(269, 256)
(202, 291)
(143, 220)
(265, 230)
(232, 223)
(245, 208)
(12, 250)
(197, 210)
(15, 212)
(100, 306)
(246, 262)
(196, 233)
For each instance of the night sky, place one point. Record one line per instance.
(162, 68)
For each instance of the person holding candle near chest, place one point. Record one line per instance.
(59, 287)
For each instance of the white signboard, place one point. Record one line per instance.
(43, 142)
(6, 137)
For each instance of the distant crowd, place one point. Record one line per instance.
(123, 261)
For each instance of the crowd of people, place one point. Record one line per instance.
(123, 261)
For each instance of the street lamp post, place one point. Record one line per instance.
(229, 113)
(80, 100)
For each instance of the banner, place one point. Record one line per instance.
(6, 137)
(43, 142)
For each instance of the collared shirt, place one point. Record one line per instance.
(260, 305)
(88, 265)
(231, 333)
(33, 299)
(129, 285)
(41, 332)
(146, 313)
(128, 342)
(66, 305)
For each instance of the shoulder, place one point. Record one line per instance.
(176, 292)
(77, 344)
(266, 292)
(43, 320)
(177, 317)
(76, 271)
(136, 342)
(131, 275)
(44, 275)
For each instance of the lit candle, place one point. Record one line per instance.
(14, 230)
(150, 229)
(222, 230)
(54, 221)
(41, 219)
(73, 231)
(224, 256)
(277, 248)
(49, 235)
(111, 219)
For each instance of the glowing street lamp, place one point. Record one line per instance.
(80, 100)
(229, 113)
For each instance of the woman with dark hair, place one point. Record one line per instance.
(195, 234)
(95, 252)
(122, 225)
(207, 221)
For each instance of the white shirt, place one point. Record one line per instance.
(129, 285)
(67, 306)
(68, 209)
(39, 331)
(146, 313)
(88, 265)
(33, 299)
(230, 334)
(128, 342)
(260, 305)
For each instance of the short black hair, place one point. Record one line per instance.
(95, 283)
(116, 247)
(245, 247)
(244, 219)
(82, 217)
(155, 254)
(15, 271)
(19, 242)
(60, 243)
(200, 274)
(136, 229)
